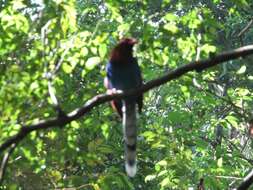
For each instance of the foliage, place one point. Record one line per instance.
(192, 128)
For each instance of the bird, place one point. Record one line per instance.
(123, 73)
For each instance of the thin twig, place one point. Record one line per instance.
(75, 188)
(246, 28)
(51, 75)
(5, 162)
(52, 95)
(44, 40)
(228, 177)
(59, 63)
(228, 100)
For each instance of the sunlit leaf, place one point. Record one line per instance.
(171, 27)
(242, 70)
(102, 50)
(150, 178)
(67, 68)
(232, 119)
(220, 162)
(92, 62)
(165, 182)
(75, 124)
(208, 48)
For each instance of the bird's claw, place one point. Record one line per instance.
(113, 91)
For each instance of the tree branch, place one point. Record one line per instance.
(102, 98)
(5, 162)
(246, 28)
(247, 181)
(228, 177)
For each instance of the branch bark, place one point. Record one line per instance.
(246, 28)
(5, 162)
(102, 98)
(247, 181)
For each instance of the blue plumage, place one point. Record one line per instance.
(124, 76)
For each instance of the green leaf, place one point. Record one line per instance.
(163, 172)
(105, 130)
(232, 119)
(157, 167)
(124, 28)
(92, 62)
(171, 27)
(150, 178)
(165, 182)
(18, 4)
(162, 163)
(96, 187)
(185, 91)
(207, 48)
(242, 92)
(75, 124)
(171, 17)
(102, 50)
(84, 51)
(242, 70)
(67, 68)
(149, 135)
(220, 162)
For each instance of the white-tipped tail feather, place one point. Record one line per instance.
(131, 170)
(130, 137)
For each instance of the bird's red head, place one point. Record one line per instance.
(123, 51)
(127, 42)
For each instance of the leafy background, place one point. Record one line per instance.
(191, 128)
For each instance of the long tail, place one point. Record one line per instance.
(130, 137)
